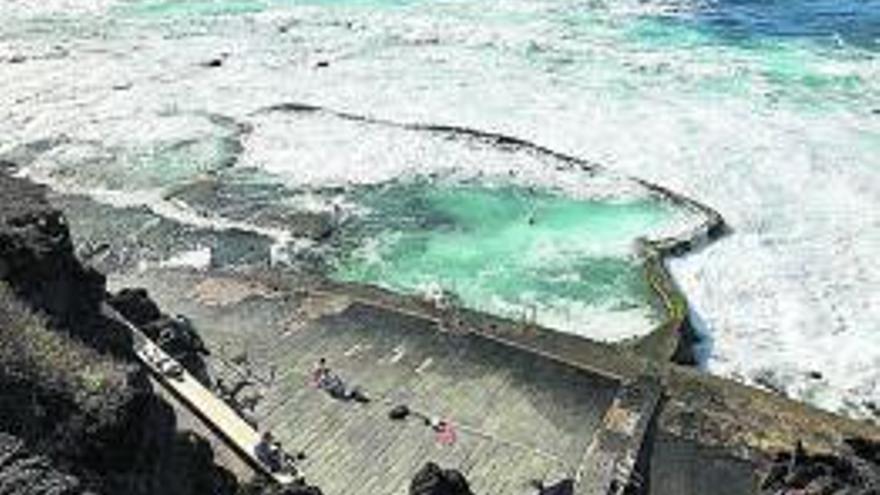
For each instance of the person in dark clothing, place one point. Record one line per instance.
(269, 452)
(563, 487)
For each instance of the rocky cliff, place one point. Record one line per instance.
(77, 414)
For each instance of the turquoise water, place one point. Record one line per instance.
(505, 249)
(194, 8)
(766, 110)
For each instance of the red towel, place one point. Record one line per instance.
(446, 433)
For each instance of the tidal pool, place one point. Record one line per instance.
(511, 251)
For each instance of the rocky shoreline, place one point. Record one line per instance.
(77, 413)
(119, 435)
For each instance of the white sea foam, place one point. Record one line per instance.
(200, 259)
(780, 138)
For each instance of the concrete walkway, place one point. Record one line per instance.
(610, 461)
(199, 399)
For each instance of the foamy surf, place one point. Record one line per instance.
(771, 122)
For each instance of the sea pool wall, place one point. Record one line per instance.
(675, 338)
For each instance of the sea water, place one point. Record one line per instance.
(523, 254)
(769, 111)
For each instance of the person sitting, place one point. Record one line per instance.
(330, 382)
(269, 452)
(562, 487)
(320, 373)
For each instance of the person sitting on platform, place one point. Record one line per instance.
(269, 452)
(330, 382)
(562, 487)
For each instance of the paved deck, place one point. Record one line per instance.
(518, 416)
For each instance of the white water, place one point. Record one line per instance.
(791, 164)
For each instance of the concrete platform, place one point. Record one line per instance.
(517, 416)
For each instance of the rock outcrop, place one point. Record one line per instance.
(77, 414)
(856, 472)
(37, 261)
(175, 334)
(21, 471)
(432, 480)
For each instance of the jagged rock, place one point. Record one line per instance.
(175, 335)
(136, 306)
(431, 480)
(25, 473)
(70, 393)
(826, 474)
(39, 264)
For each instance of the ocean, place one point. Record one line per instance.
(767, 111)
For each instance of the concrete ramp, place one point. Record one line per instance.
(221, 418)
(610, 460)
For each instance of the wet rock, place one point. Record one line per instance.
(431, 480)
(17, 59)
(771, 381)
(815, 375)
(213, 63)
(322, 63)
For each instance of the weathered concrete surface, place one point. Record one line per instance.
(517, 416)
(711, 411)
(610, 461)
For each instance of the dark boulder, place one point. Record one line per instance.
(136, 306)
(431, 480)
(213, 63)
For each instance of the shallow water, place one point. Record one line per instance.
(511, 251)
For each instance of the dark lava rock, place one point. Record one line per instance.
(431, 480)
(38, 261)
(322, 64)
(262, 486)
(857, 472)
(76, 414)
(24, 473)
(815, 375)
(214, 62)
(175, 335)
(136, 306)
